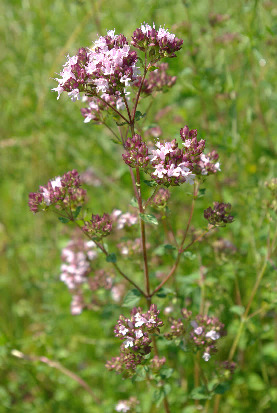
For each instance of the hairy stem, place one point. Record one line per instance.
(140, 87)
(143, 235)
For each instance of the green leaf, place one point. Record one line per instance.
(111, 257)
(166, 389)
(77, 211)
(149, 219)
(139, 115)
(164, 291)
(116, 142)
(189, 255)
(121, 124)
(150, 183)
(222, 388)
(132, 298)
(63, 220)
(158, 396)
(164, 249)
(152, 68)
(201, 192)
(140, 373)
(199, 393)
(166, 373)
(255, 382)
(134, 202)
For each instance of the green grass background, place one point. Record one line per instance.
(225, 90)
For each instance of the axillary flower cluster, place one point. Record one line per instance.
(199, 333)
(136, 333)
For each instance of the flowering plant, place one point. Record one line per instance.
(113, 77)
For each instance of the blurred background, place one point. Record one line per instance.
(226, 88)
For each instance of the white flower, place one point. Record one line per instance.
(123, 330)
(139, 320)
(129, 342)
(164, 33)
(74, 95)
(194, 324)
(58, 89)
(145, 28)
(139, 334)
(206, 356)
(46, 196)
(213, 335)
(198, 331)
(56, 183)
(217, 166)
(122, 407)
(187, 143)
(168, 310)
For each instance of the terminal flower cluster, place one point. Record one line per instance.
(64, 193)
(157, 81)
(160, 43)
(219, 214)
(136, 154)
(135, 332)
(199, 333)
(99, 226)
(108, 67)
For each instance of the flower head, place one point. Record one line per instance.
(99, 226)
(219, 214)
(62, 192)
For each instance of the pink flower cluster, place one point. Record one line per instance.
(62, 192)
(76, 272)
(170, 165)
(161, 198)
(200, 333)
(219, 215)
(99, 226)
(123, 220)
(160, 43)
(157, 81)
(174, 165)
(77, 257)
(135, 332)
(136, 152)
(108, 67)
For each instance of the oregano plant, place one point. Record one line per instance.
(113, 78)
